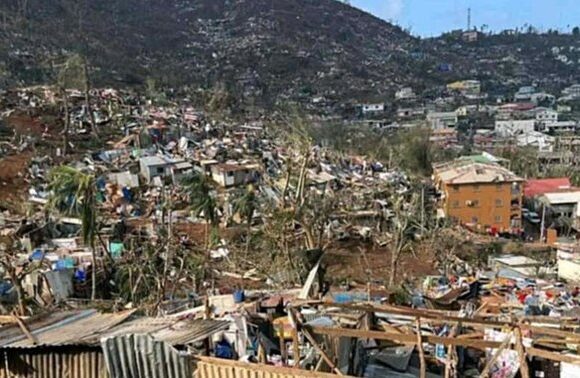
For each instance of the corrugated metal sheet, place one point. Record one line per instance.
(172, 331)
(81, 362)
(216, 368)
(81, 328)
(141, 356)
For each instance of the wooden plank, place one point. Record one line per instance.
(24, 329)
(420, 349)
(327, 359)
(554, 356)
(429, 316)
(496, 355)
(405, 339)
(525, 373)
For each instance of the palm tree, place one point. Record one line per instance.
(245, 205)
(73, 193)
(202, 202)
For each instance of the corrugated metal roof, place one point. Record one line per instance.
(170, 330)
(130, 356)
(87, 327)
(71, 328)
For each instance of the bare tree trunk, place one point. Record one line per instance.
(66, 122)
(88, 98)
(393, 270)
(17, 282)
(285, 191)
(93, 272)
(302, 180)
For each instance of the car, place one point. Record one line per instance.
(533, 217)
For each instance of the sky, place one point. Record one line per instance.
(428, 18)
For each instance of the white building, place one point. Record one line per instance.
(441, 120)
(524, 93)
(560, 127)
(541, 141)
(372, 108)
(572, 91)
(405, 94)
(546, 115)
(514, 127)
(162, 166)
(228, 175)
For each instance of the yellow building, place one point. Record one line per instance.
(485, 196)
(472, 87)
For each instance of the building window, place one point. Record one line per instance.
(498, 203)
(455, 204)
(474, 220)
(230, 174)
(499, 187)
(455, 188)
(160, 170)
(476, 188)
(473, 203)
(498, 219)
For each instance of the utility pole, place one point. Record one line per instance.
(542, 223)
(422, 208)
(468, 19)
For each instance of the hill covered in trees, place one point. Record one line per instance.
(258, 50)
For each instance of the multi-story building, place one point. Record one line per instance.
(484, 196)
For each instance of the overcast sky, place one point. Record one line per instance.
(432, 17)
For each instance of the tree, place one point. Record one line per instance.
(576, 31)
(245, 206)
(401, 230)
(15, 269)
(73, 193)
(202, 201)
(74, 73)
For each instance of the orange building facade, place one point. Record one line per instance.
(484, 196)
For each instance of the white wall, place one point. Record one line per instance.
(514, 127)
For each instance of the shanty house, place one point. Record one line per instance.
(229, 175)
(481, 195)
(161, 166)
(154, 166)
(87, 343)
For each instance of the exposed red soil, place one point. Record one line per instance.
(12, 171)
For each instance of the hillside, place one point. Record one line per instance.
(262, 50)
(258, 47)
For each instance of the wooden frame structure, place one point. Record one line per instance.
(550, 337)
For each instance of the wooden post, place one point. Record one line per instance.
(295, 340)
(420, 349)
(451, 364)
(25, 330)
(322, 353)
(207, 308)
(522, 353)
(261, 352)
(283, 351)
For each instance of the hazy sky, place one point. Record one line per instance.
(432, 17)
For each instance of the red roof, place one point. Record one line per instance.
(537, 187)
